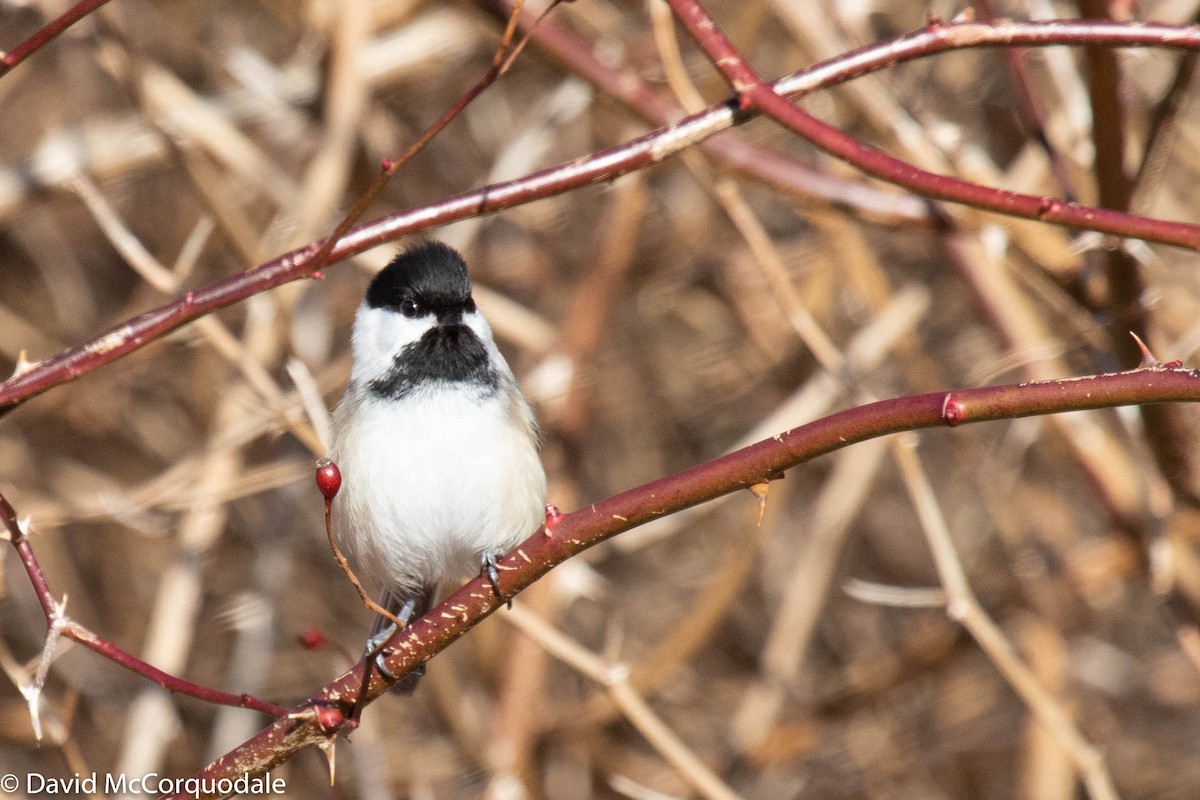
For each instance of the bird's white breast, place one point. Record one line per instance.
(433, 480)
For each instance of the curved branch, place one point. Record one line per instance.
(318, 719)
(649, 149)
(756, 94)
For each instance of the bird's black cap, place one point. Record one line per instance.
(432, 273)
(431, 278)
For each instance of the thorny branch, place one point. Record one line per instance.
(58, 624)
(319, 718)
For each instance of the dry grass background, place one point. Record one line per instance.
(159, 146)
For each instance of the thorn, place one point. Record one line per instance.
(33, 698)
(934, 19)
(1148, 359)
(760, 491)
(329, 748)
(23, 364)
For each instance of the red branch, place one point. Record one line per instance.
(73, 630)
(755, 94)
(651, 148)
(780, 172)
(317, 719)
(501, 62)
(10, 58)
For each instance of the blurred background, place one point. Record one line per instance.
(654, 322)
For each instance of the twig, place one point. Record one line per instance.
(962, 606)
(78, 633)
(10, 58)
(501, 61)
(1029, 109)
(735, 156)
(615, 679)
(755, 94)
(329, 481)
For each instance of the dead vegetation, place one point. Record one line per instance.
(655, 322)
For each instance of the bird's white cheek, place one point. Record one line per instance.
(379, 335)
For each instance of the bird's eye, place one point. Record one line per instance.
(410, 308)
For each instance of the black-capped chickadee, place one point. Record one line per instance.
(437, 447)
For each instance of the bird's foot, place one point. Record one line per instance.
(492, 571)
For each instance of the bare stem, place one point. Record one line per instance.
(345, 565)
(73, 630)
(10, 58)
(755, 94)
(499, 66)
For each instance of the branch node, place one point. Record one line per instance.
(328, 718)
(329, 748)
(553, 516)
(953, 411)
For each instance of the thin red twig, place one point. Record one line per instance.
(76, 632)
(500, 65)
(10, 58)
(759, 463)
(1028, 108)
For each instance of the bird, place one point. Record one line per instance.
(437, 446)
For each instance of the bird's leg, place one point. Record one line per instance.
(382, 633)
(489, 560)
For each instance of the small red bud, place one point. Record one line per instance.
(317, 275)
(329, 718)
(387, 164)
(553, 515)
(952, 411)
(329, 478)
(312, 639)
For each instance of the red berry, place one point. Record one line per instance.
(312, 639)
(329, 478)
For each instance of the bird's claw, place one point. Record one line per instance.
(493, 575)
